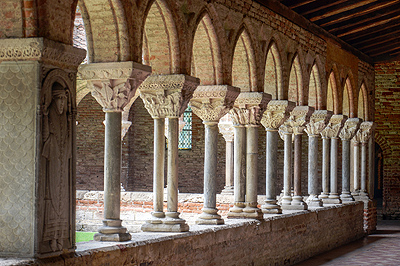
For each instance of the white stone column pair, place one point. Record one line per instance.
(113, 85)
(166, 96)
(210, 103)
(329, 170)
(246, 115)
(346, 134)
(294, 125)
(275, 115)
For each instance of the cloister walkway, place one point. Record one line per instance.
(380, 248)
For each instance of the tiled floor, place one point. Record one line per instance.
(379, 248)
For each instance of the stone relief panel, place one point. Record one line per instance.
(18, 101)
(56, 175)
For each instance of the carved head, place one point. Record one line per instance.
(59, 97)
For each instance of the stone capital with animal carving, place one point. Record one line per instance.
(318, 121)
(297, 120)
(334, 126)
(364, 132)
(350, 128)
(276, 114)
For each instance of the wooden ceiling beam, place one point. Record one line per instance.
(379, 40)
(368, 19)
(366, 27)
(360, 12)
(385, 49)
(293, 4)
(376, 37)
(378, 30)
(319, 5)
(340, 9)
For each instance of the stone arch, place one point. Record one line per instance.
(348, 99)
(243, 63)
(160, 47)
(295, 91)
(106, 30)
(206, 62)
(273, 73)
(314, 88)
(331, 95)
(362, 110)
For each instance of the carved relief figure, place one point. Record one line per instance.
(57, 152)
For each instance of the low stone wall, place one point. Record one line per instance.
(276, 240)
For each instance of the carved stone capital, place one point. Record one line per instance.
(225, 126)
(334, 126)
(41, 49)
(364, 132)
(167, 95)
(114, 85)
(249, 107)
(350, 128)
(297, 120)
(210, 103)
(276, 114)
(318, 121)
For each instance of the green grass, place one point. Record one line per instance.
(84, 236)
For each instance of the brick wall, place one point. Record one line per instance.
(387, 117)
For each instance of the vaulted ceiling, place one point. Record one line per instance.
(370, 26)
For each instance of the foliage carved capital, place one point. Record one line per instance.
(297, 120)
(364, 132)
(249, 107)
(334, 126)
(276, 114)
(318, 121)
(349, 129)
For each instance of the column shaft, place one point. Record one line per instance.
(346, 196)
(229, 165)
(334, 166)
(287, 170)
(239, 162)
(325, 168)
(172, 172)
(356, 168)
(158, 171)
(251, 166)
(313, 199)
(297, 165)
(112, 165)
(364, 169)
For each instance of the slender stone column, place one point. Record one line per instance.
(349, 129)
(356, 166)
(248, 110)
(277, 112)
(318, 122)
(166, 96)
(210, 103)
(294, 126)
(363, 136)
(113, 85)
(331, 132)
(225, 126)
(325, 168)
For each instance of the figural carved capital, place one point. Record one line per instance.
(249, 107)
(334, 126)
(276, 114)
(225, 126)
(113, 85)
(364, 132)
(297, 120)
(210, 103)
(167, 95)
(349, 129)
(318, 121)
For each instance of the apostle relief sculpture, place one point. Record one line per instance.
(57, 169)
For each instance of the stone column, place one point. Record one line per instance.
(363, 135)
(37, 147)
(248, 110)
(331, 132)
(346, 134)
(295, 125)
(356, 166)
(210, 103)
(318, 122)
(167, 96)
(225, 126)
(277, 112)
(113, 85)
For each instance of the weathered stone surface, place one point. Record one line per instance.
(276, 114)
(249, 107)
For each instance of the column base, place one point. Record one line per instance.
(314, 201)
(294, 207)
(355, 193)
(171, 223)
(112, 231)
(363, 198)
(252, 211)
(236, 210)
(286, 200)
(270, 207)
(346, 197)
(209, 216)
(332, 201)
(324, 195)
(228, 190)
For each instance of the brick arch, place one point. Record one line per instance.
(295, 90)
(206, 62)
(106, 30)
(383, 143)
(273, 83)
(362, 103)
(333, 90)
(348, 96)
(160, 41)
(315, 88)
(243, 62)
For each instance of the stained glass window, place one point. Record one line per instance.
(185, 136)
